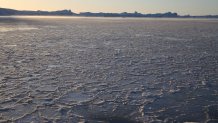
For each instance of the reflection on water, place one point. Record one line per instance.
(9, 29)
(108, 70)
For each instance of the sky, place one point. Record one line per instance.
(183, 7)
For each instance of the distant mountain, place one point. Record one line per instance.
(5, 12)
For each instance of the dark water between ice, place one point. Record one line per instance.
(108, 70)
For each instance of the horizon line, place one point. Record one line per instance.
(112, 12)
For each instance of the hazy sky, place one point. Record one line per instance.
(194, 7)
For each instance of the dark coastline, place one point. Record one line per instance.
(12, 12)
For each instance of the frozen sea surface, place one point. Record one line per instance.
(108, 70)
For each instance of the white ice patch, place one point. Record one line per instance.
(11, 45)
(76, 97)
